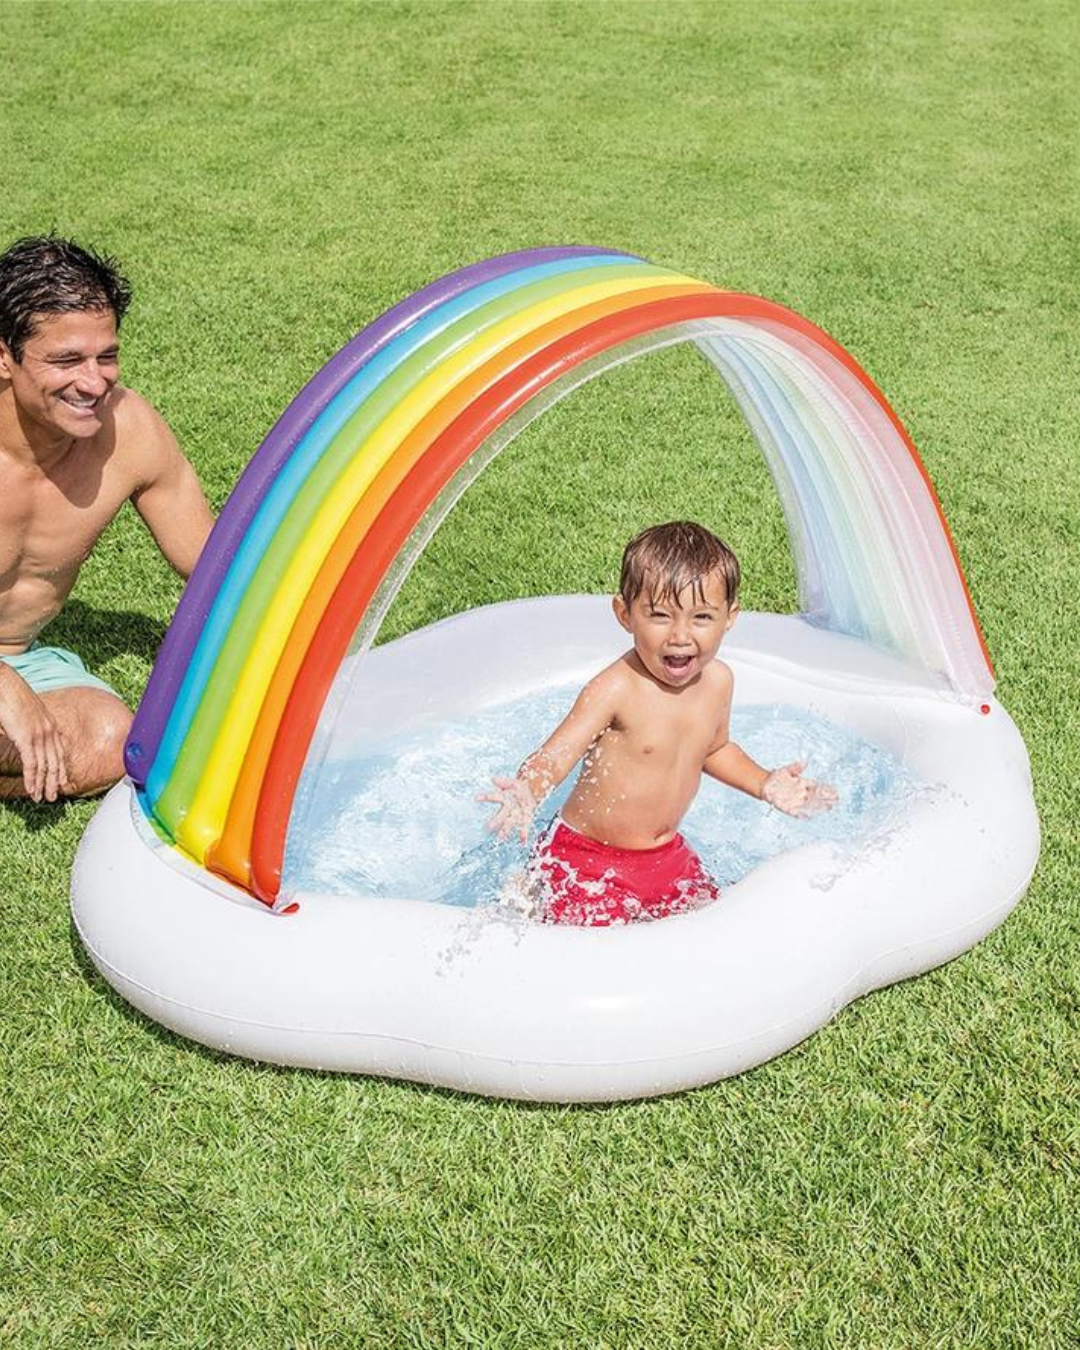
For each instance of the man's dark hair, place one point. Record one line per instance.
(47, 275)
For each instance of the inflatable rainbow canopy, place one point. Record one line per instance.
(363, 464)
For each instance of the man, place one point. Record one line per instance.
(74, 446)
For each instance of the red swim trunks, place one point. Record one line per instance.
(591, 884)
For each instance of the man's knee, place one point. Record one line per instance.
(109, 732)
(93, 727)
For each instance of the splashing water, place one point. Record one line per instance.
(403, 821)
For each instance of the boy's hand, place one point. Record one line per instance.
(788, 791)
(516, 804)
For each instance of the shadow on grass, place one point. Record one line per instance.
(99, 635)
(39, 817)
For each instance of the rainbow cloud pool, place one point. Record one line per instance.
(266, 675)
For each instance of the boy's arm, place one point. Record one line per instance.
(726, 761)
(730, 764)
(543, 770)
(785, 789)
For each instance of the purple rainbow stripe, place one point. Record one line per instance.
(243, 504)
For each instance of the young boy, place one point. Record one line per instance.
(647, 727)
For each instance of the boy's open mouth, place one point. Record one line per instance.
(678, 665)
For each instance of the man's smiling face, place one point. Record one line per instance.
(70, 365)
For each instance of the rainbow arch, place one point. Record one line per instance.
(362, 466)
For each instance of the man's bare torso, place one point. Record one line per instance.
(641, 774)
(51, 515)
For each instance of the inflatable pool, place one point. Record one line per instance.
(177, 891)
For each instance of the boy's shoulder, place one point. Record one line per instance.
(614, 685)
(721, 673)
(719, 680)
(620, 674)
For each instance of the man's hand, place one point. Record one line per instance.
(27, 724)
(516, 804)
(788, 791)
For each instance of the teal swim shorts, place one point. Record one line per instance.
(46, 668)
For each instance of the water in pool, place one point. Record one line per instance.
(403, 820)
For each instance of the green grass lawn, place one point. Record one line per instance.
(273, 177)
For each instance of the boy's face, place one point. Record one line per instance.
(676, 642)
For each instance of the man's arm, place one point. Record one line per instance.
(168, 497)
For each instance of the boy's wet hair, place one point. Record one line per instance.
(666, 559)
(44, 275)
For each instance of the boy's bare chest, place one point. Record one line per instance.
(664, 733)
